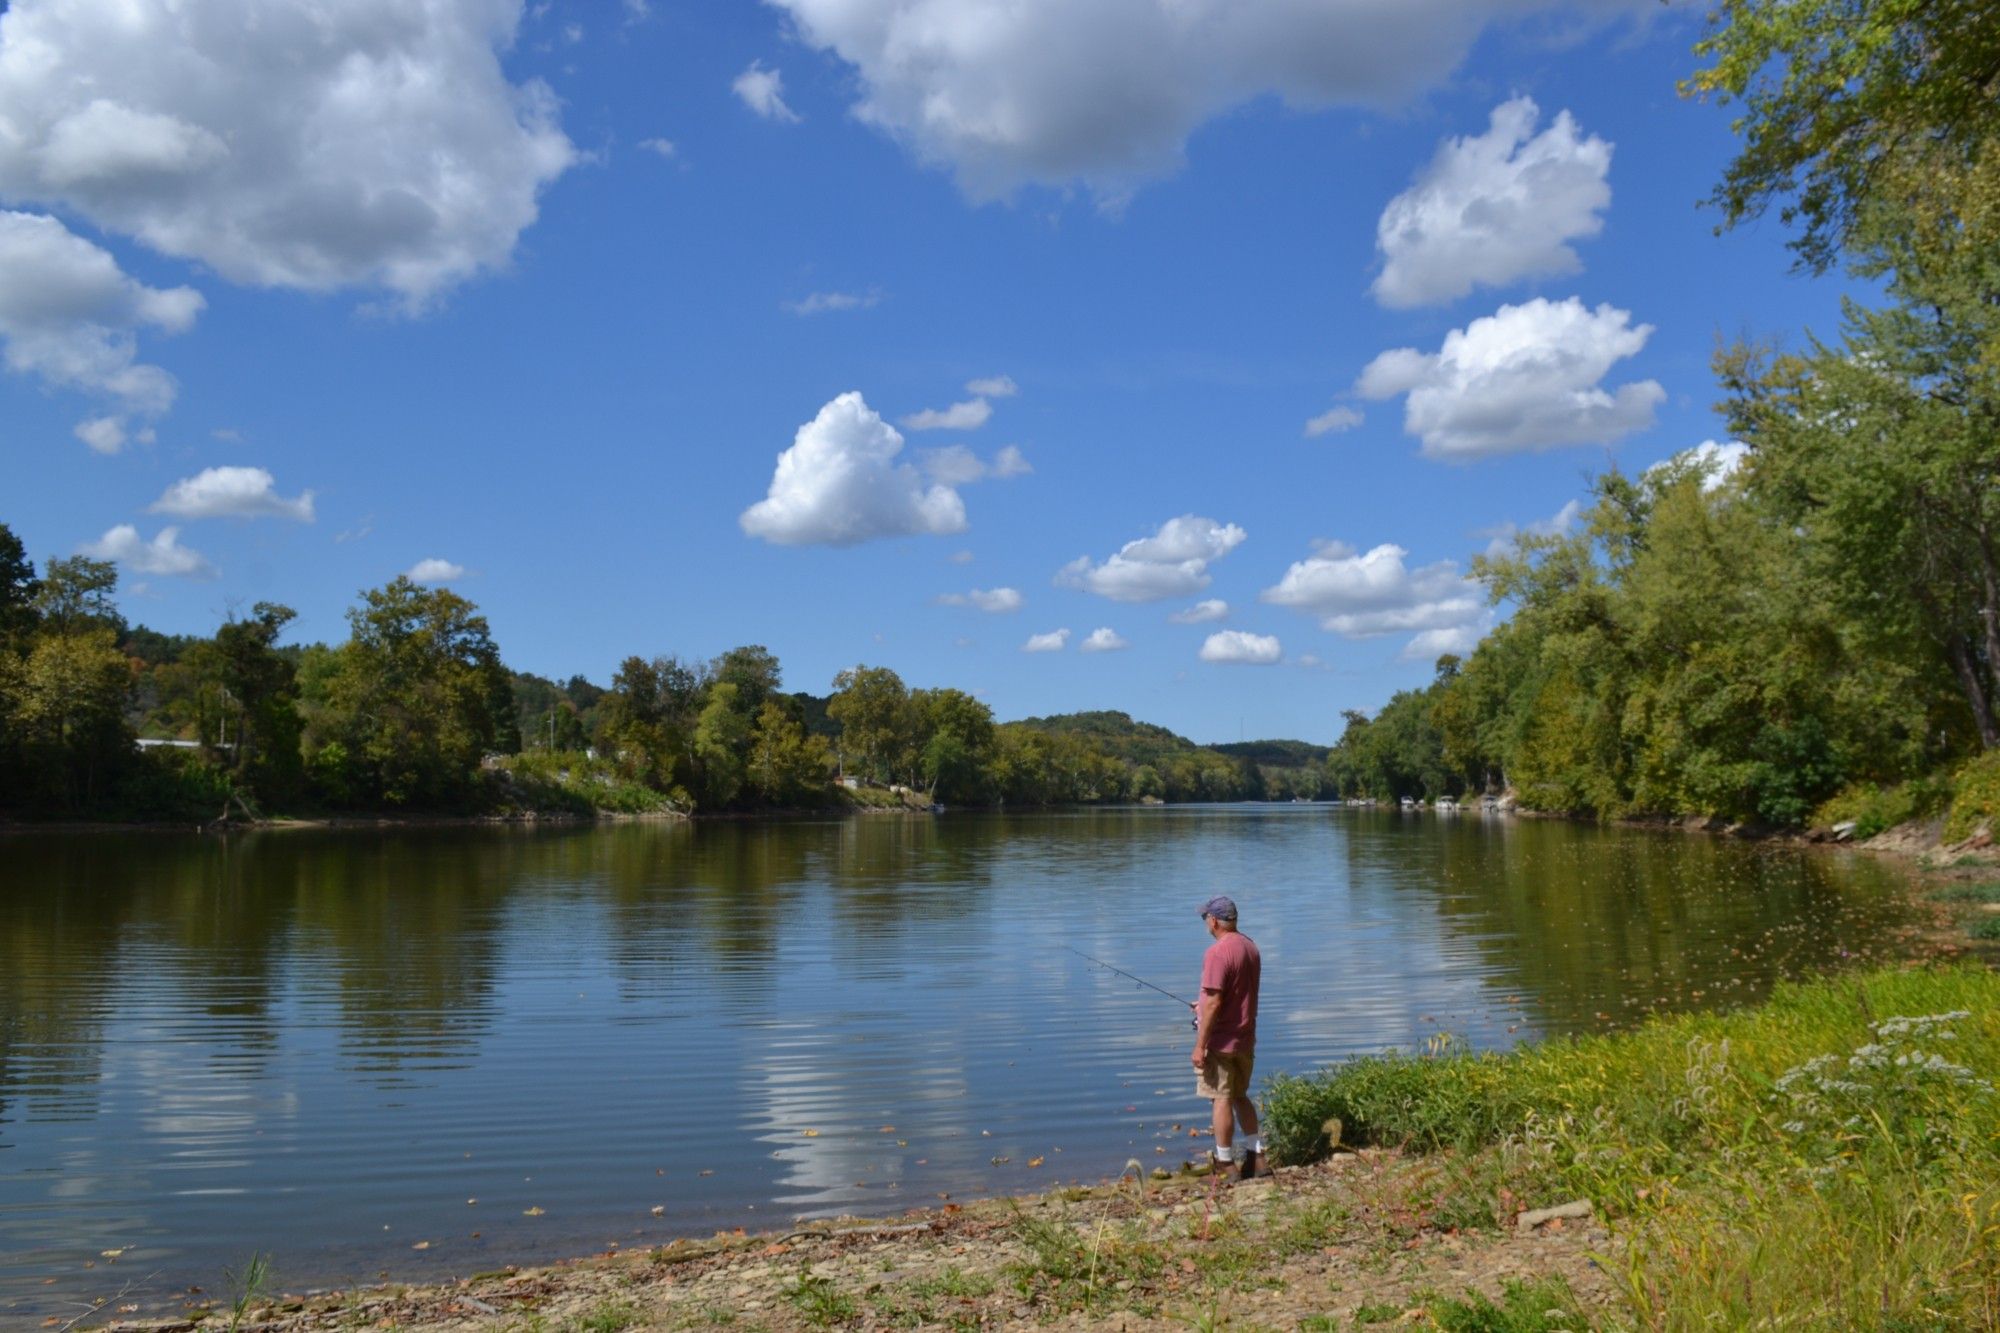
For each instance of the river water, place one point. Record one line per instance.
(423, 1052)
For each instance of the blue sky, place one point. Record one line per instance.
(531, 300)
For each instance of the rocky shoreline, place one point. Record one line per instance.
(1368, 1235)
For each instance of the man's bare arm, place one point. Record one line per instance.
(1205, 1011)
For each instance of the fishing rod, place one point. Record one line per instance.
(1128, 976)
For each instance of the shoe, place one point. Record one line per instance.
(1246, 1168)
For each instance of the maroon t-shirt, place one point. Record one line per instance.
(1232, 967)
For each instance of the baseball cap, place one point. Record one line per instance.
(1220, 908)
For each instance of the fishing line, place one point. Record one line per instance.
(1128, 976)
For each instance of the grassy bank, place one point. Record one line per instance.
(1828, 1159)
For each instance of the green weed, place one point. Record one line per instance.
(1077, 1268)
(1313, 1227)
(953, 1284)
(1988, 929)
(820, 1303)
(249, 1287)
(1968, 893)
(609, 1317)
(930, 1300)
(1524, 1307)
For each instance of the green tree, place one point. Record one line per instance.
(1883, 453)
(753, 669)
(871, 705)
(786, 766)
(18, 591)
(1849, 103)
(646, 721)
(259, 683)
(957, 732)
(68, 700)
(415, 700)
(75, 594)
(721, 746)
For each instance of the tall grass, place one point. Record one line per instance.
(1829, 1158)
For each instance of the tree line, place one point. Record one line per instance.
(416, 711)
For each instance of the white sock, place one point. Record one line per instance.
(1223, 1153)
(1252, 1143)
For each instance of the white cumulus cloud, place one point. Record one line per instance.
(1241, 646)
(763, 91)
(1494, 208)
(996, 386)
(1716, 460)
(1201, 613)
(968, 415)
(434, 570)
(162, 555)
(1503, 537)
(70, 316)
(1009, 92)
(660, 147)
(1103, 640)
(996, 600)
(839, 484)
(1527, 377)
(1363, 595)
(375, 143)
(956, 465)
(1173, 562)
(1052, 642)
(232, 492)
(104, 434)
(1332, 421)
(823, 303)
(1432, 644)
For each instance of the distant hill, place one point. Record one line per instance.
(1117, 734)
(1143, 743)
(812, 715)
(1276, 754)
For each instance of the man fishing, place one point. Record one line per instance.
(1225, 1037)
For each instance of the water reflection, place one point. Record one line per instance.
(323, 1044)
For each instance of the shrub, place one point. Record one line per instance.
(1523, 1307)
(171, 785)
(1827, 1159)
(573, 782)
(1672, 1084)
(1975, 798)
(1968, 893)
(1878, 809)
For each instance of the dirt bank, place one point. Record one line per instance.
(1364, 1235)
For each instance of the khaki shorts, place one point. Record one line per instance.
(1225, 1074)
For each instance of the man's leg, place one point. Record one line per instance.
(1250, 1151)
(1224, 1119)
